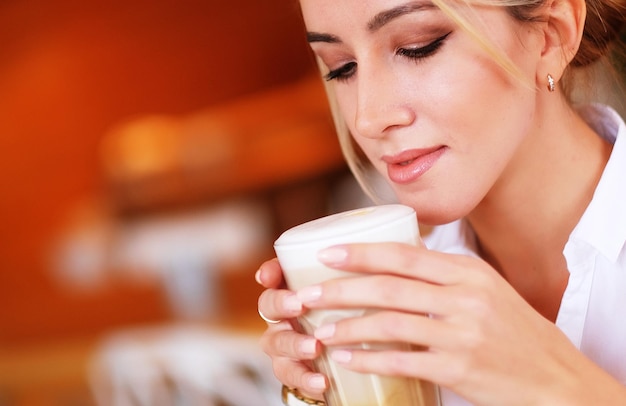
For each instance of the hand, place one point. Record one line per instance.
(482, 340)
(290, 351)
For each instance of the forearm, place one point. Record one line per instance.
(584, 383)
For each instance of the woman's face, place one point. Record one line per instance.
(433, 112)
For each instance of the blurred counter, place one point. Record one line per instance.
(252, 144)
(192, 207)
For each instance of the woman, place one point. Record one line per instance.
(465, 109)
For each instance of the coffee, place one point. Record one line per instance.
(297, 250)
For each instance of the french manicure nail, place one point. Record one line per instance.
(341, 356)
(257, 277)
(310, 293)
(308, 346)
(332, 255)
(292, 303)
(325, 331)
(317, 382)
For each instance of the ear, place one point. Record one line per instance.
(563, 33)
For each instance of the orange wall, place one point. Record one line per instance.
(71, 69)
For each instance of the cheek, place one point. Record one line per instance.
(346, 104)
(347, 97)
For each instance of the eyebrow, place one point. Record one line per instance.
(320, 37)
(384, 17)
(377, 22)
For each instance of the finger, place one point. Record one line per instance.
(279, 304)
(398, 259)
(298, 375)
(270, 274)
(379, 291)
(280, 340)
(427, 365)
(420, 331)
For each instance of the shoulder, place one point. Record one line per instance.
(604, 120)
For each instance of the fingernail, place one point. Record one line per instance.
(325, 331)
(341, 356)
(292, 303)
(317, 382)
(257, 277)
(332, 255)
(308, 346)
(310, 293)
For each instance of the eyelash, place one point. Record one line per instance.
(346, 71)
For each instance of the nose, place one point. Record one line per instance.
(380, 104)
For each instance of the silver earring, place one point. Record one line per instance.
(551, 83)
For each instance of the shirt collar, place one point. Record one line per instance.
(603, 224)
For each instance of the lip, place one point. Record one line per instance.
(410, 165)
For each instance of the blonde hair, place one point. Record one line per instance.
(605, 20)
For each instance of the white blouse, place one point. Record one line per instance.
(593, 308)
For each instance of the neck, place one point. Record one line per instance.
(523, 224)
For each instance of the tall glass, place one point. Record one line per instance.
(297, 249)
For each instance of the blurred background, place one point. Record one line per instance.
(150, 153)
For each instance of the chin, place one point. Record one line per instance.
(430, 214)
(435, 219)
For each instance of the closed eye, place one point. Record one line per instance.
(425, 51)
(344, 72)
(347, 70)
